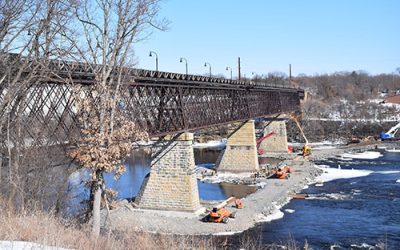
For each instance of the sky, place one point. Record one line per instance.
(314, 36)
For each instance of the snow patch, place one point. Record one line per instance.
(362, 246)
(22, 245)
(226, 177)
(324, 147)
(210, 144)
(331, 174)
(364, 155)
(227, 233)
(394, 150)
(320, 145)
(275, 215)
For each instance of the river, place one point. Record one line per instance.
(354, 213)
(348, 213)
(137, 167)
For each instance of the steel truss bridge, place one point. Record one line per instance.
(159, 102)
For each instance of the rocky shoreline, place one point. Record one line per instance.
(260, 206)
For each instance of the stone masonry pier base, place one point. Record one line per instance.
(172, 184)
(240, 154)
(277, 143)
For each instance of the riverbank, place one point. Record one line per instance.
(261, 206)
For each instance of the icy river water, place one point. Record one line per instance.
(351, 213)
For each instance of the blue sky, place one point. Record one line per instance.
(315, 36)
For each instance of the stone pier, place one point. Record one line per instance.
(277, 143)
(172, 184)
(240, 154)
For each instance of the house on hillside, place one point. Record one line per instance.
(393, 99)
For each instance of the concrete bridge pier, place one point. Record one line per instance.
(240, 154)
(276, 143)
(172, 183)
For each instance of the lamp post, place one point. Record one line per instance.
(255, 77)
(154, 53)
(229, 68)
(186, 64)
(209, 65)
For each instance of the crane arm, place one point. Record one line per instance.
(394, 129)
(301, 129)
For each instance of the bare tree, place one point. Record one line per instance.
(28, 29)
(107, 30)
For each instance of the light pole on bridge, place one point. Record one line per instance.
(186, 64)
(209, 65)
(154, 53)
(229, 68)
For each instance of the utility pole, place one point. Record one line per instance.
(290, 74)
(239, 68)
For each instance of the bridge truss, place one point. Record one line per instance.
(159, 102)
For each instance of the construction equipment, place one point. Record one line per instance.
(306, 148)
(220, 214)
(391, 133)
(258, 143)
(283, 172)
(306, 151)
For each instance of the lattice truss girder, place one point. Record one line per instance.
(45, 114)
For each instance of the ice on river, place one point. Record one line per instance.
(394, 150)
(368, 155)
(289, 211)
(388, 172)
(210, 144)
(331, 174)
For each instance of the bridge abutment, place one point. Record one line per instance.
(277, 142)
(240, 154)
(172, 183)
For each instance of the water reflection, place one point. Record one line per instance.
(205, 155)
(137, 167)
(128, 185)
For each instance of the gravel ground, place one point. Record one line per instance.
(256, 206)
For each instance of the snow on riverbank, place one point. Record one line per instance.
(275, 215)
(320, 145)
(331, 174)
(367, 155)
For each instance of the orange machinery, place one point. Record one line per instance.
(306, 150)
(220, 214)
(283, 172)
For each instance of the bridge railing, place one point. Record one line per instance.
(85, 72)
